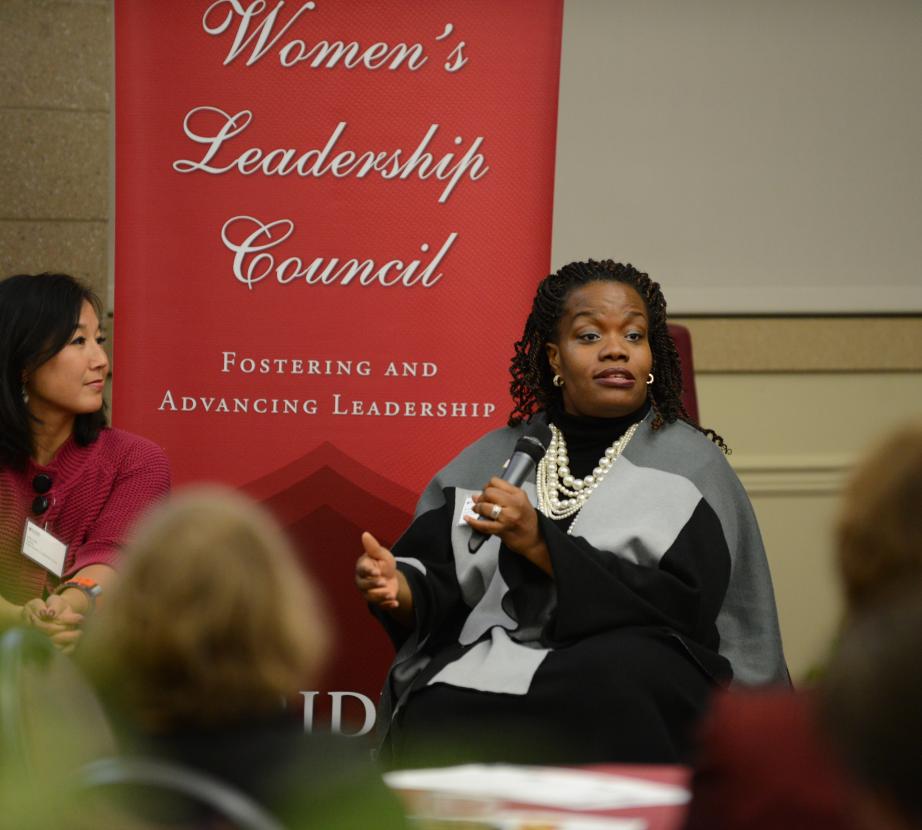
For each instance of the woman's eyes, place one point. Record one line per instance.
(80, 340)
(593, 336)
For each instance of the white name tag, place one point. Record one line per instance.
(44, 548)
(468, 510)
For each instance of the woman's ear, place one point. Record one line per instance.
(553, 356)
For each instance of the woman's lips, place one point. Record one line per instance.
(616, 379)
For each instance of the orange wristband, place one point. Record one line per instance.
(81, 583)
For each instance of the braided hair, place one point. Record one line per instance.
(531, 387)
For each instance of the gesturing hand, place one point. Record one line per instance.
(376, 574)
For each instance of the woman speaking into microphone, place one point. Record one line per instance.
(620, 584)
(69, 485)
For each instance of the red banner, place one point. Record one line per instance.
(330, 220)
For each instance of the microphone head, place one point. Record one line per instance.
(535, 441)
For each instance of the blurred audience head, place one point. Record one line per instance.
(213, 620)
(846, 756)
(871, 707)
(880, 527)
(870, 697)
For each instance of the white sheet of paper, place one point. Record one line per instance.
(546, 786)
(516, 819)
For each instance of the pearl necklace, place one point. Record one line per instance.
(560, 494)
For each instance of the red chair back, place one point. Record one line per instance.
(682, 338)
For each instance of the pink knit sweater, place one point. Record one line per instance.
(97, 492)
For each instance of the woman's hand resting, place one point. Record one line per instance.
(55, 618)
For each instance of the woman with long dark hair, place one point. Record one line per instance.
(69, 485)
(620, 585)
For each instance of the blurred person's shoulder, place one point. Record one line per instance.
(761, 760)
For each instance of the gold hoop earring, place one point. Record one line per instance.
(557, 380)
(650, 378)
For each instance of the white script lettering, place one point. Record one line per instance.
(252, 264)
(322, 55)
(213, 127)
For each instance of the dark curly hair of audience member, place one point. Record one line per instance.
(531, 387)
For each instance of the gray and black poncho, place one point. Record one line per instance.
(660, 593)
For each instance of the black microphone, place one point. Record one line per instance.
(529, 450)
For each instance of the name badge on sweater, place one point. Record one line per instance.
(44, 548)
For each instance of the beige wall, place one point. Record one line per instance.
(794, 437)
(55, 77)
(755, 156)
(796, 398)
